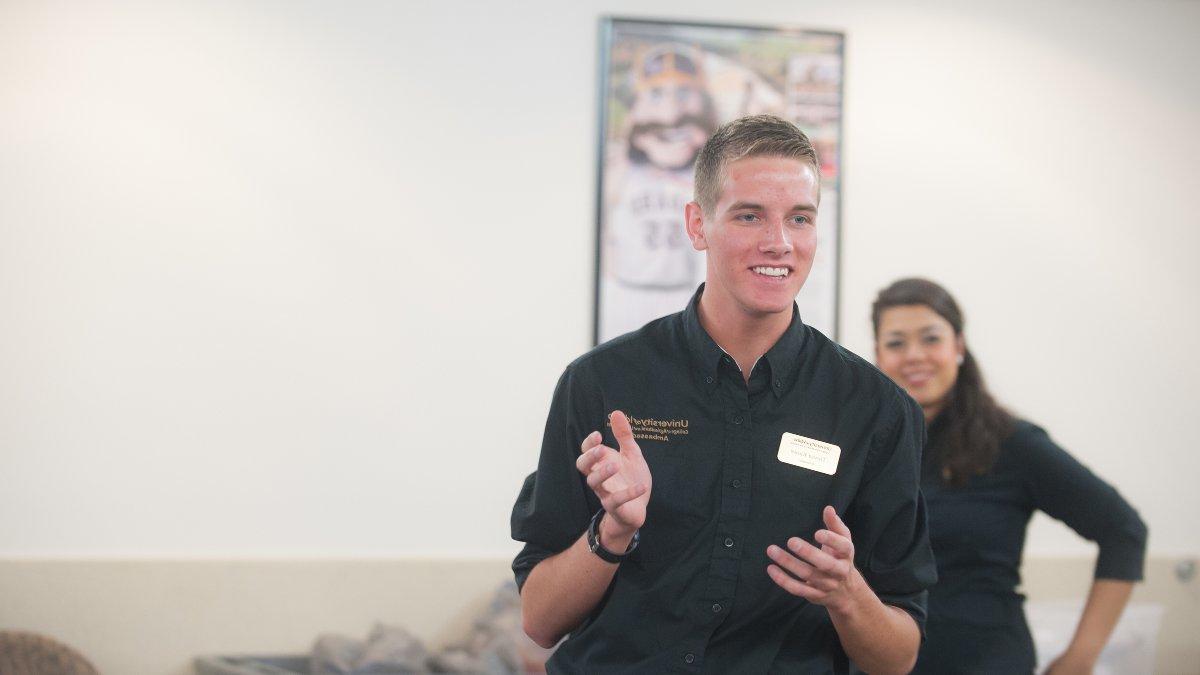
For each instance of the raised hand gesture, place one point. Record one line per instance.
(820, 575)
(621, 479)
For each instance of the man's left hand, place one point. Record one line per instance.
(823, 576)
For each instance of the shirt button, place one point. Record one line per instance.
(716, 608)
(728, 542)
(736, 483)
(708, 380)
(779, 384)
(737, 420)
(689, 658)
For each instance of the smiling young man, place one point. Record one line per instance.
(726, 489)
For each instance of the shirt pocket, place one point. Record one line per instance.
(795, 491)
(677, 512)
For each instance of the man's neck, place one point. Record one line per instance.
(743, 336)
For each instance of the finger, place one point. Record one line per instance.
(834, 522)
(587, 460)
(624, 434)
(601, 473)
(593, 439)
(622, 496)
(835, 544)
(798, 568)
(812, 555)
(791, 585)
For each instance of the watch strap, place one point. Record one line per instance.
(597, 547)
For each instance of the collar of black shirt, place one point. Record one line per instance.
(783, 357)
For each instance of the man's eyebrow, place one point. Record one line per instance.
(745, 206)
(751, 206)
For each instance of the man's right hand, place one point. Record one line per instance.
(621, 479)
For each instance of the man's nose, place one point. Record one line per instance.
(776, 239)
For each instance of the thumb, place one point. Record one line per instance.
(624, 434)
(834, 522)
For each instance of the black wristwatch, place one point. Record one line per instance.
(593, 539)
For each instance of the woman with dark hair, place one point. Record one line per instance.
(984, 474)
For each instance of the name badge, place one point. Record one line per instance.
(808, 453)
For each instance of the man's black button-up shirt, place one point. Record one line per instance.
(695, 595)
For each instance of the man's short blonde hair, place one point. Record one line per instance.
(753, 136)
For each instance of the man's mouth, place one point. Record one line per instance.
(776, 272)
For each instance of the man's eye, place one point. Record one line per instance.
(800, 220)
(747, 217)
(895, 344)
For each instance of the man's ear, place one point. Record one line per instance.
(693, 217)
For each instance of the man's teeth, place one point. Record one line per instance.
(772, 271)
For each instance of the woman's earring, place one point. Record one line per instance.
(960, 359)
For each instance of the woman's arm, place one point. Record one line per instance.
(1105, 603)
(1065, 489)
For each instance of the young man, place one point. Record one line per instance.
(751, 503)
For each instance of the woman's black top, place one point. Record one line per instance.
(976, 620)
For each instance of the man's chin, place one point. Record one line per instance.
(762, 308)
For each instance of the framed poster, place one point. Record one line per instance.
(664, 88)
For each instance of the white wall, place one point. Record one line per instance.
(296, 279)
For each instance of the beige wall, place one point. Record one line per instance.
(153, 617)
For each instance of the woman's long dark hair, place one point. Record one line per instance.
(965, 437)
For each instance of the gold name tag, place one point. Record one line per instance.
(809, 453)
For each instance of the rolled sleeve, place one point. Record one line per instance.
(554, 505)
(887, 519)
